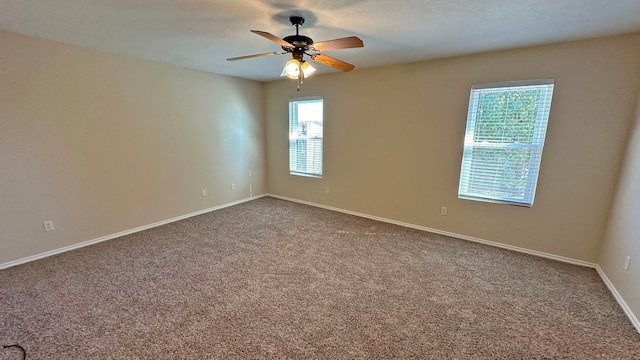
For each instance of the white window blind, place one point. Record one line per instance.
(506, 127)
(305, 136)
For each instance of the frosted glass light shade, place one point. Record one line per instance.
(293, 66)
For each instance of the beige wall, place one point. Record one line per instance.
(101, 143)
(393, 142)
(623, 235)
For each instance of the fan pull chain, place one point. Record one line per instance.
(300, 75)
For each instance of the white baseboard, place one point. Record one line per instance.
(605, 279)
(619, 299)
(122, 233)
(441, 232)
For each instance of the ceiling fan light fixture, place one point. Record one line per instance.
(307, 69)
(292, 69)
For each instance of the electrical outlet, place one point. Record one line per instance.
(627, 262)
(443, 211)
(204, 192)
(326, 189)
(48, 225)
(249, 173)
(233, 186)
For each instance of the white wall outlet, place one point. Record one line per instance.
(204, 192)
(443, 211)
(326, 189)
(48, 225)
(233, 186)
(249, 173)
(627, 262)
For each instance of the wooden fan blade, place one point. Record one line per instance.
(343, 43)
(334, 63)
(272, 38)
(255, 56)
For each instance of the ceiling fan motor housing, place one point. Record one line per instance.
(300, 42)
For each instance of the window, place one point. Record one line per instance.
(506, 126)
(305, 136)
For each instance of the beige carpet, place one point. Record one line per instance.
(275, 279)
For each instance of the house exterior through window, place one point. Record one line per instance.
(306, 136)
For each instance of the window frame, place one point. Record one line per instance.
(293, 138)
(536, 146)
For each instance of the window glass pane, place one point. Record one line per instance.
(500, 173)
(506, 127)
(507, 116)
(305, 136)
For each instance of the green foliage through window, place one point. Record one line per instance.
(507, 116)
(506, 127)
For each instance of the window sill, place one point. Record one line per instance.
(305, 175)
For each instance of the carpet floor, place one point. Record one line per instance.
(275, 279)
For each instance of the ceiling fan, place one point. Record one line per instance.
(299, 45)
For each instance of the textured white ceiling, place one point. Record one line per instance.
(201, 34)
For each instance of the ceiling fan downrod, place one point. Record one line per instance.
(296, 21)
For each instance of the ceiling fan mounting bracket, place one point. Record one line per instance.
(296, 21)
